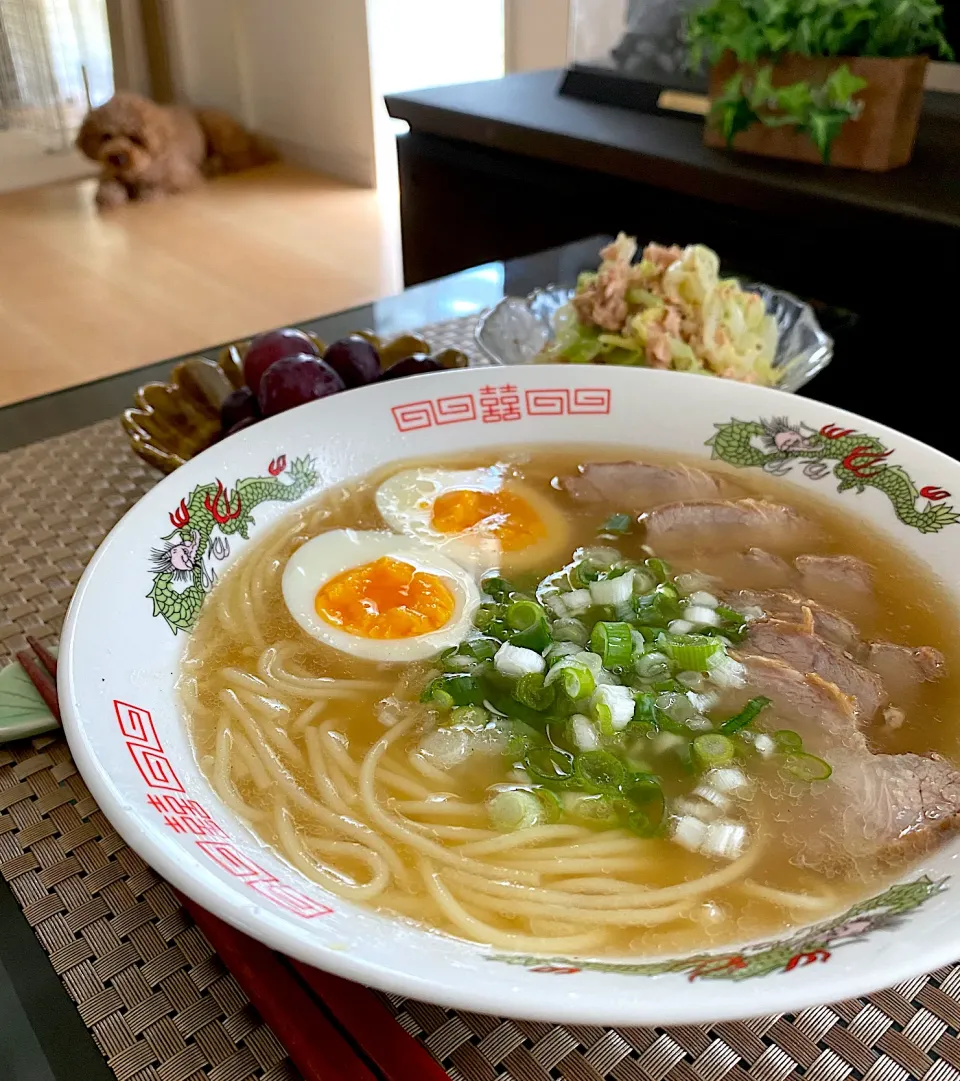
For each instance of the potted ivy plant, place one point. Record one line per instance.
(837, 81)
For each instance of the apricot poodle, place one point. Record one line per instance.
(146, 151)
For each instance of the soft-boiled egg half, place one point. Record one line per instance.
(379, 596)
(476, 516)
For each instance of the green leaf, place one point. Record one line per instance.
(794, 100)
(823, 128)
(841, 86)
(752, 29)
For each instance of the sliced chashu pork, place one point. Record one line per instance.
(783, 605)
(873, 805)
(810, 654)
(904, 669)
(726, 523)
(636, 486)
(826, 573)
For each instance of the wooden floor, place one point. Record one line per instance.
(84, 295)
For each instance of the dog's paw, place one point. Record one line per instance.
(110, 194)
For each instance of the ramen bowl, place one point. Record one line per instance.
(119, 663)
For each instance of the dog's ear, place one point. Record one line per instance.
(88, 137)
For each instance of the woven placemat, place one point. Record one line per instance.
(152, 991)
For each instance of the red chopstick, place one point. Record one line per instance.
(397, 1055)
(41, 676)
(300, 1015)
(315, 1045)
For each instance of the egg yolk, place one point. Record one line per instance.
(385, 599)
(503, 515)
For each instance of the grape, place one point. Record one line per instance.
(294, 380)
(238, 405)
(246, 422)
(412, 365)
(265, 349)
(354, 359)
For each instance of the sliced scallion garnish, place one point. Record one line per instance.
(618, 523)
(714, 749)
(807, 767)
(746, 716)
(531, 691)
(691, 652)
(788, 741)
(599, 772)
(613, 642)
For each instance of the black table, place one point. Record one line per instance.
(41, 1035)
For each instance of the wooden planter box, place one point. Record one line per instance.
(883, 137)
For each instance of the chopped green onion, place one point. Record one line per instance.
(495, 586)
(576, 679)
(659, 568)
(640, 786)
(599, 772)
(452, 690)
(499, 629)
(714, 749)
(522, 739)
(601, 557)
(569, 629)
(559, 650)
(807, 767)
(746, 716)
(643, 581)
(613, 642)
(644, 792)
(481, 649)
(787, 740)
(515, 809)
(659, 608)
(524, 614)
(452, 660)
(690, 652)
(550, 767)
(536, 637)
(618, 523)
(485, 615)
(508, 706)
(729, 615)
(645, 711)
(474, 717)
(592, 810)
(641, 824)
(531, 692)
(583, 573)
(653, 665)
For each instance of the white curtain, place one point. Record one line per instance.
(54, 58)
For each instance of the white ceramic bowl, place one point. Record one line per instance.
(118, 665)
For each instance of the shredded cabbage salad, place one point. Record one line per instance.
(669, 310)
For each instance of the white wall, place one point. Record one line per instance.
(298, 71)
(537, 33)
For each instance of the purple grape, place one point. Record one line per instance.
(354, 359)
(412, 365)
(295, 380)
(267, 349)
(246, 422)
(238, 405)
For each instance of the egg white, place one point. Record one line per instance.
(330, 554)
(405, 502)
